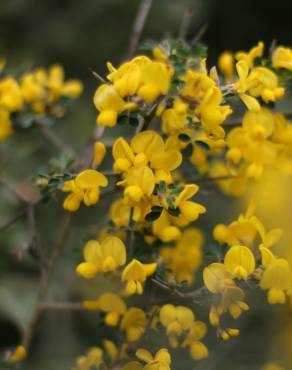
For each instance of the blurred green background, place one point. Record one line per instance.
(82, 34)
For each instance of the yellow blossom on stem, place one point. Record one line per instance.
(240, 261)
(198, 349)
(277, 279)
(110, 303)
(99, 153)
(102, 257)
(84, 188)
(282, 58)
(250, 56)
(176, 319)
(189, 210)
(160, 361)
(133, 323)
(226, 64)
(135, 274)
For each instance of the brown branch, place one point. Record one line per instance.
(195, 294)
(138, 26)
(185, 23)
(35, 244)
(199, 35)
(44, 283)
(12, 189)
(56, 140)
(11, 222)
(62, 306)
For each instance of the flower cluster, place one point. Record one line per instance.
(37, 93)
(177, 140)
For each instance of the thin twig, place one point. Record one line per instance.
(11, 222)
(44, 283)
(12, 189)
(199, 35)
(35, 244)
(56, 140)
(185, 23)
(62, 306)
(131, 235)
(174, 291)
(96, 75)
(138, 26)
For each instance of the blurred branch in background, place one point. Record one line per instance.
(138, 26)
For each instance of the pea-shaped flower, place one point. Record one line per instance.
(111, 304)
(85, 187)
(240, 261)
(135, 273)
(277, 279)
(176, 319)
(134, 323)
(102, 257)
(161, 360)
(189, 210)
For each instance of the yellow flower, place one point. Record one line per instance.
(249, 57)
(161, 158)
(242, 86)
(189, 210)
(277, 279)
(198, 350)
(145, 162)
(32, 90)
(264, 83)
(174, 119)
(184, 259)
(135, 274)
(282, 58)
(161, 360)
(155, 80)
(17, 355)
(218, 280)
(99, 153)
(10, 95)
(123, 156)
(85, 187)
(159, 54)
(109, 103)
(134, 323)
(164, 230)
(102, 257)
(176, 319)
(57, 86)
(226, 64)
(141, 76)
(111, 304)
(5, 124)
(240, 261)
(258, 82)
(93, 358)
(212, 113)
